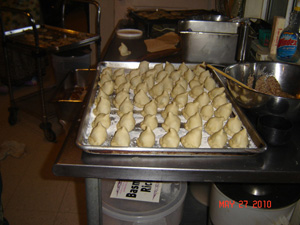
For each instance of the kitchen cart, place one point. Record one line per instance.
(40, 40)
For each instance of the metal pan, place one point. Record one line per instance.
(257, 145)
(168, 16)
(53, 39)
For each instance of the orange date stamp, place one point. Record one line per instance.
(260, 204)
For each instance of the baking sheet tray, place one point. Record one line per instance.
(51, 38)
(257, 145)
(166, 16)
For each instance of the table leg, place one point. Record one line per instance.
(93, 191)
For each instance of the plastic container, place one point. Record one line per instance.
(264, 36)
(168, 211)
(288, 43)
(65, 62)
(129, 33)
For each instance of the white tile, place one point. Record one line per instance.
(38, 194)
(11, 166)
(26, 217)
(42, 163)
(9, 186)
(70, 218)
(74, 200)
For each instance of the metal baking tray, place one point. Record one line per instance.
(166, 16)
(257, 145)
(51, 38)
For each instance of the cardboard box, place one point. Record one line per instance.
(278, 26)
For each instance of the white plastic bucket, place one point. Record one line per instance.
(126, 212)
(63, 64)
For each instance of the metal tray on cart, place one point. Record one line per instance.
(166, 16)
(51, 38)
(257, 145)
(150, 17)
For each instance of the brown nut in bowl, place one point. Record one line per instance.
(287, 75)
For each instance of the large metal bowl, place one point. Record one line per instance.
(288, 75)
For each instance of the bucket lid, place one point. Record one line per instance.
(171, 197)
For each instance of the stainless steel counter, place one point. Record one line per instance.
(276, 165)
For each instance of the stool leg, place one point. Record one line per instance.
(45, 125)
(13, 110)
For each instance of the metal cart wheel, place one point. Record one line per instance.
(50, 135)
(48, 132)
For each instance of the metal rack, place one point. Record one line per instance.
(41, 40)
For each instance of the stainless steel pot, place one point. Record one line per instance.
(214, 39)
(209, 41)
(288, 75)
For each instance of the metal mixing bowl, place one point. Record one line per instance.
(288, 76)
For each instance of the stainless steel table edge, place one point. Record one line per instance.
(277, 165)
(73, 162)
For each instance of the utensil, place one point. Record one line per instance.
(229, 77)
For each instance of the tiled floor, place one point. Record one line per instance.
(32, 195)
